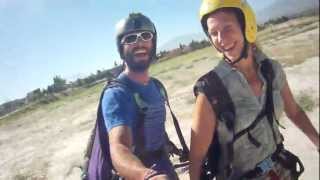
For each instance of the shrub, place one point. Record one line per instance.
(306, 102)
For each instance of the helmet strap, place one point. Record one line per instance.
(243, 55)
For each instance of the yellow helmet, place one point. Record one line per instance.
(210, 6)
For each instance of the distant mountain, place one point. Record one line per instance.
(287, 8)
(184, 39)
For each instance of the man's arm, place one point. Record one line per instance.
(202, 130)
(116, 114)
(124, 161)
(298, 116)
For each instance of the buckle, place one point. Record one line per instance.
(261, 168)
(266, 165)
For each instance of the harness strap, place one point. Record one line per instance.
(99, 127)
(265, 165)
(268, 108)
(185, 148)
(94, 132)
(212, 86)
(282, 156)
(147, 155)
(142, 108)
(268, 73)
(252, 125)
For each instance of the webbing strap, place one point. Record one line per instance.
(142, 105)
(252, 125)
(268, 73)
(96, 131)
(174, 118)
(217, 94)
(268, 108)
(212, 86)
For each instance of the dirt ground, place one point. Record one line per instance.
(303, 79)
(49, 143)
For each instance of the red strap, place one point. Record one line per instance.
(273, 175)
(151, 173)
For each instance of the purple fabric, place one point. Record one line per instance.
(100, 163)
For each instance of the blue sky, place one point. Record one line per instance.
(73, 38)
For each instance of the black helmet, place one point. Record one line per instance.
(135, 22)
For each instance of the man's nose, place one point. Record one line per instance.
(139, 40)
(220, 38)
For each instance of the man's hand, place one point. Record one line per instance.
(160, 177)
(124, 161)
(151, 174)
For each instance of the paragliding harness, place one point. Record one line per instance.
(223, 106)
(97, 161)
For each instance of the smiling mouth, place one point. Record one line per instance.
(140, 52)
(229, 48)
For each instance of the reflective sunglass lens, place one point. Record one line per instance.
(131, 38)
(146, 36)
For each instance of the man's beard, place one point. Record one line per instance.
(135, 64)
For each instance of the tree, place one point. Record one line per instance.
(181, 46)
(79, 82)
(90, 79)
(99, 75)
(59, 84)
(162, 54)
(194, 45)
(205, 43)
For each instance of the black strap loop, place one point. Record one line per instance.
(185, 148)
(253, 140)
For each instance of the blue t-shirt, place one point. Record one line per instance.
(120, 109)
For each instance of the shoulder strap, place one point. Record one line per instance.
(93, 132)
(268, 108)
(96, 135)
(111, 83)
(174, 118)
(142, 107)
(268, 74)
(137, 98)
(267, 70)
(217, 94)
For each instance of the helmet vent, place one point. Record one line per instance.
(137, 24)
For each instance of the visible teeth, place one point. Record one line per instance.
(140, 51)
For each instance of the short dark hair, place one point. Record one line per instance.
(236, 11)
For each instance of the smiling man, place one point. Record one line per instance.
(235, 129)
(134, 109)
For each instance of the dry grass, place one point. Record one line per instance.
(291, 42)
(52, 137)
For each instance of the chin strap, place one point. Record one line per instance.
(244, 54)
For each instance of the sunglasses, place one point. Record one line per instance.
(133, 37)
